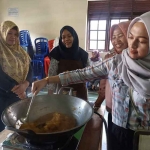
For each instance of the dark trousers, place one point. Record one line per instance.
(121, 139)
(110, 130)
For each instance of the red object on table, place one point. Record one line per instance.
(46, 65)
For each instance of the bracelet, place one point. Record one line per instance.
(47, 79)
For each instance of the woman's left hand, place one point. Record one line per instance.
(22, 96)
(21, 88)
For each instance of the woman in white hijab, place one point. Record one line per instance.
(129, 75)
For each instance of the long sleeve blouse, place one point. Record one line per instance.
(123, 113)
(7, 83)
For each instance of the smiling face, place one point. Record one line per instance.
(67, 39)
(138, 41)
(119, 41)
(12, 37)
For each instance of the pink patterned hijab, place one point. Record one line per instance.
(123, 27)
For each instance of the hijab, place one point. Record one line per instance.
(136, 73)
(13, 59)
(97, 56)
(72, 53)
(123, 26)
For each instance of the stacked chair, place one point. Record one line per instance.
(41, 48)
(37, 56)
(41, 51)
(37, 66)
(25, 42)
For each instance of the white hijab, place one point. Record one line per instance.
(136, 73)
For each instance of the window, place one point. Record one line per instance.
(97, 34)
(103, 14)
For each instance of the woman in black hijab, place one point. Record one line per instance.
(68, 56)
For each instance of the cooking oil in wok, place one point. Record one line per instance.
(52, 122)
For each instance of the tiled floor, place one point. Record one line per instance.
(92, 96)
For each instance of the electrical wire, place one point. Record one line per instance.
(106, 128)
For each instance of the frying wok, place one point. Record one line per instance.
(42, 105)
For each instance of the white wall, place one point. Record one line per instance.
(45, 18)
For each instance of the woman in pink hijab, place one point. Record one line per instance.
(118, 36)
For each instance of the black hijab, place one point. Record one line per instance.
(72, 53)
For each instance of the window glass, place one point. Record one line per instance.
(101, 35)
(114, 21)
(93, 44)
(93, 24)
(102, 25)
(101, 44)
(93, 35)
(121, 20)
(110, 46)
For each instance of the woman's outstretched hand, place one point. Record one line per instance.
(38, 85)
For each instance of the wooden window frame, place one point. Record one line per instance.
(113, 9)
(97, 34)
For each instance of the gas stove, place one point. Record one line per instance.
(17, 142)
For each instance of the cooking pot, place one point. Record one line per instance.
(43, 104)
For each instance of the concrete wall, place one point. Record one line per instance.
(45, 18)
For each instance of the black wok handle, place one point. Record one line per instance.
(25, 131)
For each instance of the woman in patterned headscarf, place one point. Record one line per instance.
(95, 57)
(15, 70)
(118, 37)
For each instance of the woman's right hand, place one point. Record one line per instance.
(38, 85)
